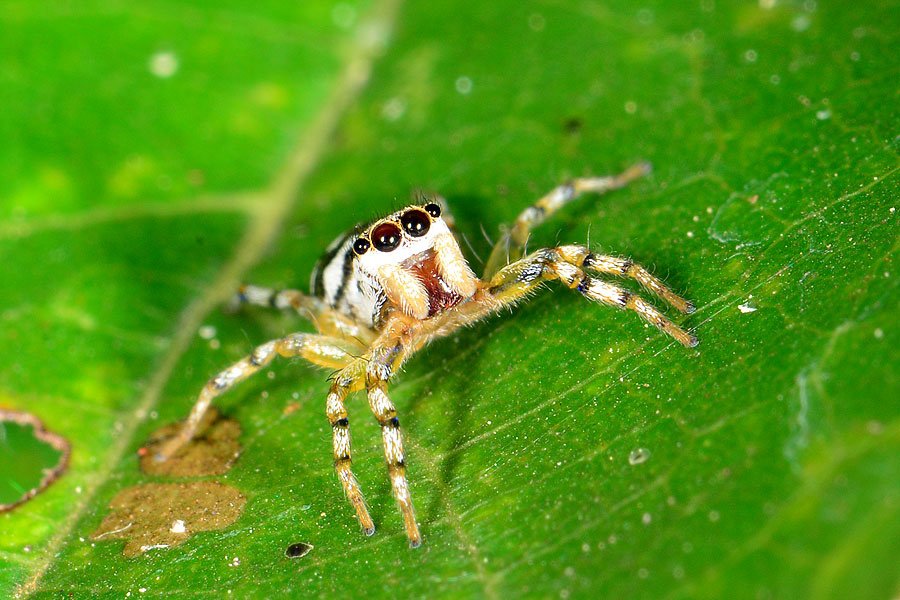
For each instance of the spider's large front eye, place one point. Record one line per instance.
(386, 237)
(361, 246)
(415, 223)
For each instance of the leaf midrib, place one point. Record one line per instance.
(266, 217)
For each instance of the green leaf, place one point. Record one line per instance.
(158, 155)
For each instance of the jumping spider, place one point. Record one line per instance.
(383, 291)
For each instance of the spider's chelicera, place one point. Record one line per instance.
(381, 292)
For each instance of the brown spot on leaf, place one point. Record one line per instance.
(212, 452)
(47, 474)
(162, 515)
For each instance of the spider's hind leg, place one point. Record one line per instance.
(510, 247)
(516, 280)
(326, 320)
(318, 349)
(255, 295)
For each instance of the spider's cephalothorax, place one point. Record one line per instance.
(407, 260)
(383, 291)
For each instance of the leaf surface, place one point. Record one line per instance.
(160, 157)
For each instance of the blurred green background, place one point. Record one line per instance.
(155, 155)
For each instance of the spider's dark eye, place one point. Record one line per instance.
(415, 223)
(361, 246)
(386, 237)
(433, 209)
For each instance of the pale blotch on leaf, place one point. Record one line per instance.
(163, 64)
(211, 453)
(144, 515)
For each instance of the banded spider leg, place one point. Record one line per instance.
(321, 350)
(567, 263)
(510, 247)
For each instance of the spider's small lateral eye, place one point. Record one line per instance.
(433, 209)
(386, 237)
(415, 223)
(361, 246)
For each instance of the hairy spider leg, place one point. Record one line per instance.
(329, 322)
(343, 383)
(318, 349)
(373, 371)
(517, 280)
(256, 295)
(582, 257)
(511, 244)
(382, 364)
(326, 320)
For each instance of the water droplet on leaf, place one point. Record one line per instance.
(638, 456)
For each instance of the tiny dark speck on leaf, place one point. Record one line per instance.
(298, 550)
(573, 125)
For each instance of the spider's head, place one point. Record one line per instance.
(399, 236)
(415, 259)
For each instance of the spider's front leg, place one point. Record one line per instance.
(383, 362)
(510, 246)
(343, 382)
(515, 281)
(580, 256)
(318, 349)
(373, 370)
